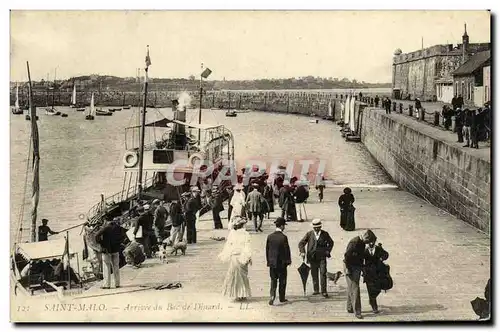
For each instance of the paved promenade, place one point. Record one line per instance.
(439, 264)
(439, 132)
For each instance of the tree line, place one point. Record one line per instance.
(95, 82)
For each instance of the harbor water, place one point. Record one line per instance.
(80, 160)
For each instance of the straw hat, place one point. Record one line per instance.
(316, 223)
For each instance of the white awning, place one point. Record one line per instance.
(43, 249)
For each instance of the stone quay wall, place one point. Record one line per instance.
(447, 176)
(293, 102)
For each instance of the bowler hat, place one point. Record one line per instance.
(280, 222)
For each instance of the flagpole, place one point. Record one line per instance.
(199, 111)
(143, 126)
(69, 264)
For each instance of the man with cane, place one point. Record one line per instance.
(319, 246)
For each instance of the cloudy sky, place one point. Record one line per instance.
(235, 45)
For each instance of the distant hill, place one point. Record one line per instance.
(114, 83)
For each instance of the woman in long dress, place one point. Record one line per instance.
(237, 251)
(269, 196)
(238, 201)
(346, 200)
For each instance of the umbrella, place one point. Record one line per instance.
(304, 274)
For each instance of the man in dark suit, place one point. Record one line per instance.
(110, 238)
(353, 263)
(278, 258)
(319, 245)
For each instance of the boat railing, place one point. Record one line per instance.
(101, 208)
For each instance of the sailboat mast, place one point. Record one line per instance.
(36, 159)
(143, 125)
(54, 87)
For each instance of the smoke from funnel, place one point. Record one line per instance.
(184, 101)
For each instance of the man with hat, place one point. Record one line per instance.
(216, 205)
(353, 264)
(177, 220)
(44, 231)
(254, 204)
(287, 202)
(190, 208)
(230, 193)
(146, 222)
(319, 246)
(278, 258)
(159, 220)
(111, 236)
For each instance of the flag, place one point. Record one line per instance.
(148, 59)
(148, 63)
(65, 255)
(206, 73)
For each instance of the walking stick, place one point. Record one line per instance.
(305, 212)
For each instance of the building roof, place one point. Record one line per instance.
(474, 63)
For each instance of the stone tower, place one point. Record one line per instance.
(465, 45)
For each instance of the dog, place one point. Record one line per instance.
(162, 254)
(179, 246)
(334, 276)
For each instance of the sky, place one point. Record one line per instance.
(233, 44)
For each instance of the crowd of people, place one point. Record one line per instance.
(471, 125)
(362, 254)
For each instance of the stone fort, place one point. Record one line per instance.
(415, 74)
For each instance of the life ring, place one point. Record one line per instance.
(130, 159)
(195, 157)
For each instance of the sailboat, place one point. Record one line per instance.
(41, 268)
(73, 97)
(330, 112)
(17, 109)
(51, 110)
(90, 113)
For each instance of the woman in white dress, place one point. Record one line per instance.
(237, 251)
(238, 204)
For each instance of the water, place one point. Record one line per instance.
(82, 159)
